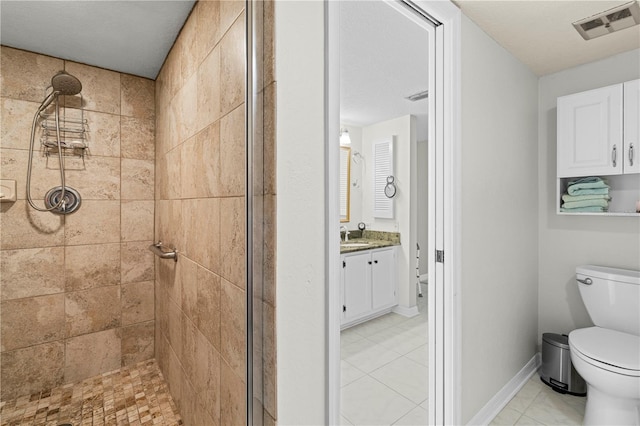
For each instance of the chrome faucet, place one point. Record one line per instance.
(346, 233)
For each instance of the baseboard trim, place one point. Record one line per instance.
(502, 398)
(406, 312)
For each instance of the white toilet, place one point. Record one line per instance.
(607, 356)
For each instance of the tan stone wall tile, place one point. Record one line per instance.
(103, 135)
(188, 349)
(26, 75)
(208, 27)
(138, 96)
(138, 138)
(16, 118)
(189, 287)
(100, 87)
(137, 302)
(188, 108)
(95, 178)
(202, 231)
(207, 383)
(208, 305)
(137, 220)
(96, 309)
(137, 262)
(233, 400)
(208, 107)
(23, 227)
(44, 176)
(29, 370)
(94, 222)
(232, 240)
(175, 328)
(91, 266)
(91, 354)
(137, 179)
(137, 342)
(232, 67)
(31, 321)
(232, 153)
(233, 327)
(31, 272)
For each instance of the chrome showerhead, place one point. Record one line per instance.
(65, 84)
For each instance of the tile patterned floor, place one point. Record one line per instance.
(384, 370)
(538, 404)
(135, 395)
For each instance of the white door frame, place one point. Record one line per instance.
(443, 219)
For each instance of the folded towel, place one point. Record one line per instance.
(590, 182)
(586, 203)
(584, 186)
(584, 209)
(568, 198)
(588, 191)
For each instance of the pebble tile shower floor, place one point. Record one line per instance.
(135, 395)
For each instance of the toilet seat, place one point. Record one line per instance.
(609, 350)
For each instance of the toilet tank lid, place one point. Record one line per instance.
(612, 274)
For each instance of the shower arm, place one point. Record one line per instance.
(53, 96)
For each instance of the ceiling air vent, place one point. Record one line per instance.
(418, 96)
(618, 18)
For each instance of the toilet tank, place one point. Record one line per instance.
(611, 296)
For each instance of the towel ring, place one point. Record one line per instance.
(390, 188)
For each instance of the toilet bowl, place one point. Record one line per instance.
(609, 361)
(607, 356)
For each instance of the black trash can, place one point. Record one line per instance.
(557, 370)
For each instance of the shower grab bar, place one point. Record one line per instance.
(157, 250)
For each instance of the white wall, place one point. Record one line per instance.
(568, 241)
(300, 212)
(403, 129)
(499, 217)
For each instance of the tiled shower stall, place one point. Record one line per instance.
(80, 294)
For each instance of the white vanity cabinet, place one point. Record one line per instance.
(368, 284)
(598, 131)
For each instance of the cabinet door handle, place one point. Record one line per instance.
(631, 154)
(369, 262)
(375, 261)
(614, 155)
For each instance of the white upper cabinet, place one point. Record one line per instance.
(598, 131)
(590, 133)
(632, 126)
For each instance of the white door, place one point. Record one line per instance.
(383, 287)
(632, 126)
(357, 288)
(590, 133)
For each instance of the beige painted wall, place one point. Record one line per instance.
(569, 241)
(76, 290)
(499, 217)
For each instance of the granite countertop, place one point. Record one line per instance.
(368, 240)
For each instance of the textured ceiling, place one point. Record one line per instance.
(383, 59)
(127, 36)
(540, 34)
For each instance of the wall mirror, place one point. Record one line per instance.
(345, 183)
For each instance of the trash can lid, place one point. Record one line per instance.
(555, 339)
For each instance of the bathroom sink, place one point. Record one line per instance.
(354, 244)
